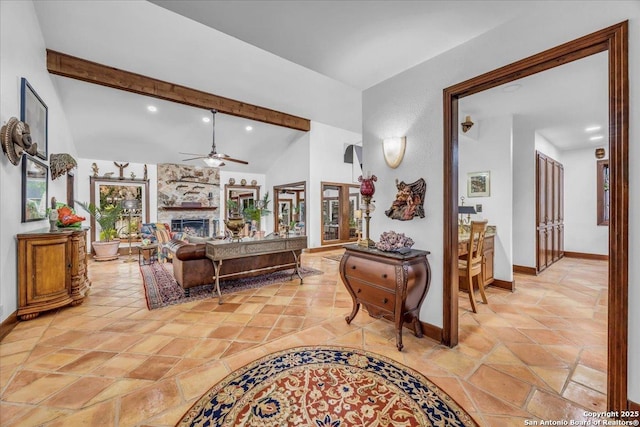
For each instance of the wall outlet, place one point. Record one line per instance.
(478, 208)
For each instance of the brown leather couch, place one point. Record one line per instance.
(191, 267)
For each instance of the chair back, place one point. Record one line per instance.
(476, 242)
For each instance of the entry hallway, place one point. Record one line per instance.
(538, 353)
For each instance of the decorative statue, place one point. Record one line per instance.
(121, 166)
(94, 168)
(409, 201)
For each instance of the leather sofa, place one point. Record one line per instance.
(191, 267)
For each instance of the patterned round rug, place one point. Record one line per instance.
(325, 387)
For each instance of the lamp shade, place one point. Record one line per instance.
(393, 150)
(130, 204)
(466, 210)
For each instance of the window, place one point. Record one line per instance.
(603, 192)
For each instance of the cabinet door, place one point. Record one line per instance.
(542, 248)
(488, 267)
(48, 270)
(541, 188)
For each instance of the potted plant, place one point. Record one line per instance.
(107, 217)
(256, 212)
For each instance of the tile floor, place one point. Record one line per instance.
(538, 353)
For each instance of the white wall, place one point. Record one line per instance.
(326, 163)
(524, 193)
(491, 152)
(581, 232)
(547, 148)
(22, 54)
(414, 99)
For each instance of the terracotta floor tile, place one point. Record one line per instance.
(536, 353)
(501, 385)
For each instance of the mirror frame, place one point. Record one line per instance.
(26, 161)
(300, 201)
(231, 187)
(97, 181)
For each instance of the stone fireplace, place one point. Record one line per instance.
(188, 198)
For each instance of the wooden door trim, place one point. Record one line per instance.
(614, 40)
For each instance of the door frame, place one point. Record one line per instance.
(613, 40)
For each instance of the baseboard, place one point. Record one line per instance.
(531, 271)
(633, 406)
(503, 284)
(326, 248)
(432, 331)
(586, 256)
(8, 324)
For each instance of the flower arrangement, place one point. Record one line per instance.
(391, 241)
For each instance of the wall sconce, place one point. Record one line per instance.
(466, 125)
(393, 150)
(599, 153)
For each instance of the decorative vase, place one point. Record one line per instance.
(106, 251)
(235, 224)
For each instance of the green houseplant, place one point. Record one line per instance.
(107, 217)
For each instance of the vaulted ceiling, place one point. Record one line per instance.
(307, 58)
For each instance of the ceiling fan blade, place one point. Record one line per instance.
(195, 158)
(191, 154)
(231, 159)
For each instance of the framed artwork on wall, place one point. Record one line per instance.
(35, 179)
(34, 112)
(479, 184)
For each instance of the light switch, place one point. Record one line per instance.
(478, 208)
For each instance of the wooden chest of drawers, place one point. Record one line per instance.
(388, 284)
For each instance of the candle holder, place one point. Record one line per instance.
(367, 189)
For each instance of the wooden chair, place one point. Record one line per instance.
(473, 265)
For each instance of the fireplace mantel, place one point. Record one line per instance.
(187, 208)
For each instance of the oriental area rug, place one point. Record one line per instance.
(161, 288)
(326, 387)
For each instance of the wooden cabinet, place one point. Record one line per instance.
(390, 285)
(52, 271)
(549, 211)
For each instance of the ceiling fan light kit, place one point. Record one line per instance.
(214, 159)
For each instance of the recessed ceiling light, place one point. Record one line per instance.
(511, 88)
(248, 128)
(206, 119)
(596, 138)
(152, 108)
(593, 128)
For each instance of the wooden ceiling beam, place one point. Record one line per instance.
(80, 69)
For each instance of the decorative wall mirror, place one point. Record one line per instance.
(242, 197)
(34, 189)
(290, 214)
(112, 191)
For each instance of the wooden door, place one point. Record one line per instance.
(549, 211)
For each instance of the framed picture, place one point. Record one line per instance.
(35, 179)
(478, 184)
(34, 112)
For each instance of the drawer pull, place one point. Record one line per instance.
(353, 267)
(384, 276)
(359, 290)
(384, 301)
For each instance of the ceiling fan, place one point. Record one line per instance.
(214, 159)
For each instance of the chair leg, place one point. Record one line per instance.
(481, 288)
(472, 297)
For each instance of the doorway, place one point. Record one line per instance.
(614, 41)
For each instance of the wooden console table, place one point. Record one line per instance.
(267, 253)
(389, 284)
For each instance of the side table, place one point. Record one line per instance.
(389, 284)
(147, 254)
